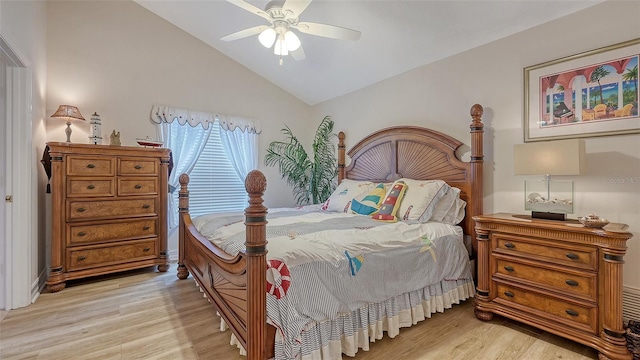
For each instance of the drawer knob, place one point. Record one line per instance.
(82, 233)
(509, 245)
(91, 187)
(91, 166)
(147, 249)
(138, 186)
(81, 210)
(509, 268)
(138, 167)
(571, 282)
(572, 312)
(508, 294)
(146, 206)
(573, 256)
(80, 258)
(147, 227)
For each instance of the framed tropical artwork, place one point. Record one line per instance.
(589, 94)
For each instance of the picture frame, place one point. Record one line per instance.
(607, 81)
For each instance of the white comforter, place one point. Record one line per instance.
(323, 265)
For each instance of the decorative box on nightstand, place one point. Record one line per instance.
(559, 276)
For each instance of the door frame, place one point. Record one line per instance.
(20, 216)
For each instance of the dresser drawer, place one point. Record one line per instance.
(137, 186)
(113, 231)
(137, 166)
(582, 317)
(575, 283)
(103, 256)
(584, 257)
(90, 166)
(81, 210)
(77, 186)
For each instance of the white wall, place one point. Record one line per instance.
(440, 96)
(22, 25)
(118, 59)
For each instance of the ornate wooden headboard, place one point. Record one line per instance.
(422, 154)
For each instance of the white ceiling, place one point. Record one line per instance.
(397, 36)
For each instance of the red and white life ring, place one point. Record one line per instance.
(278, 278)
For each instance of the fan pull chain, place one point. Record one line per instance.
(281, 60)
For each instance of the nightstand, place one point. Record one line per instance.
(558, 276)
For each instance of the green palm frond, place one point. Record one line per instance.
(313, 180)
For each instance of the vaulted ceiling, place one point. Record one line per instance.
(397, 36)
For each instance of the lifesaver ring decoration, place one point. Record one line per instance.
(278, 278)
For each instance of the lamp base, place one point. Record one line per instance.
(548, 215)
(68, 131)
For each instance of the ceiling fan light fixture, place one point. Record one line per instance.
(281, 47)
(284, 18)
(267, 37)
(291, 40)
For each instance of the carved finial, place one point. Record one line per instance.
(476, 111)
(341, 135)
(184, 179)
(255, 183)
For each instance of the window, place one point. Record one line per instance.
(214, 185)
(217, 151)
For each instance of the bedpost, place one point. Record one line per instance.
(256, 252)
(341, 157)
(183, 208)
(477, 160)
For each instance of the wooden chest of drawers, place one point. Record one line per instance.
(555, 275)
(109, 210)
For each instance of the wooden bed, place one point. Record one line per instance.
(236, 285)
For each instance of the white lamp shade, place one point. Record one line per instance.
(281, 47)
(267, 37)
(562, 157)
(291, 41)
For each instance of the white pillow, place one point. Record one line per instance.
(340, 200)
(450, 208)
(421, 198)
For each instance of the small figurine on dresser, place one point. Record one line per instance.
(115, 138)
(96, 129)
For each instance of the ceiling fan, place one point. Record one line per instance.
(283, 17)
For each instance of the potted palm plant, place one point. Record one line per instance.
(313, 178)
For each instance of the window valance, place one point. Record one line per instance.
(167, 114)
(230, 123)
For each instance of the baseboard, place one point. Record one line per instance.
(630, 304)
(38, 285)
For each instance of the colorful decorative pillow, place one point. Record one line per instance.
(391, 203)
(340, 200)
(450, 208)
(421, 198)
(368, 203)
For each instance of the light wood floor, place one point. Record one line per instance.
(149, 315)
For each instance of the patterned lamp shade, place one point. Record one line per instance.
(68, 112)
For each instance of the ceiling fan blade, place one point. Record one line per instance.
(330, 31)
(244, 33)
(252, 9)
(295, 6)
(297, 54)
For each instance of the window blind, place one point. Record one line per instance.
(214, 185)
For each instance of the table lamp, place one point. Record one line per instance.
(69, 113)
(549, 199)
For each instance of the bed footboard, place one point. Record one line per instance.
(239, 296)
